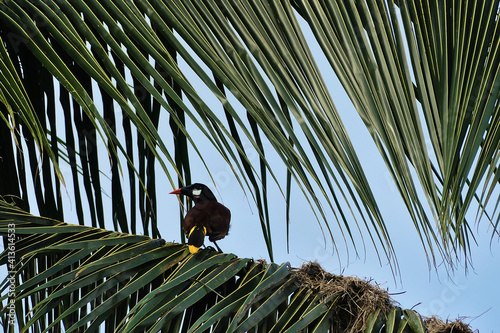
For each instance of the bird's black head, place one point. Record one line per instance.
(197, 192)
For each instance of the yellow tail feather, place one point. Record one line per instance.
(193, 249)
(196, 237)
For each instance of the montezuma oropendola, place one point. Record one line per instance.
(206, 218)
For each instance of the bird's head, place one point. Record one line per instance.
(197, 192)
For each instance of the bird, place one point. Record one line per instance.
(206, 218)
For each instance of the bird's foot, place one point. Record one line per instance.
(218, 248)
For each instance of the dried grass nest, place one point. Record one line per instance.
(355, 298)
(436, 325)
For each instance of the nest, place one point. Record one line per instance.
(436, 325)
(355, 298)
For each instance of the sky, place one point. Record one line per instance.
(471, 294)
(428, 290)
(468, 294)
(465, 292)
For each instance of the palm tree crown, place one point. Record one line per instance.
(87, 87)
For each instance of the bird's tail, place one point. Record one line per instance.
(196, 238)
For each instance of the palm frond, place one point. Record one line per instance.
(425, 86)
(84, 55)
(427, 90)
(79, 278)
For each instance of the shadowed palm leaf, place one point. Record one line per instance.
(76, 277)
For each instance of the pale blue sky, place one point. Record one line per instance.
(429, 290)
(473, 295)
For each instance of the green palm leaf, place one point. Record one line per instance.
(89, 86)
(145, 49)
(90, 278)
(442, 79)
(257, 52)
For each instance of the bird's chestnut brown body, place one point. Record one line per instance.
(214, 216)
(207, 217)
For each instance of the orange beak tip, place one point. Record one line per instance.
(178, 191)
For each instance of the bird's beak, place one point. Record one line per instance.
(178, 191)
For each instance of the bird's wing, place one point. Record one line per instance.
(220, 218)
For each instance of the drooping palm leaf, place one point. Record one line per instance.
(90, 45)
(74, 278)
(415, 72)
(424, 78)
